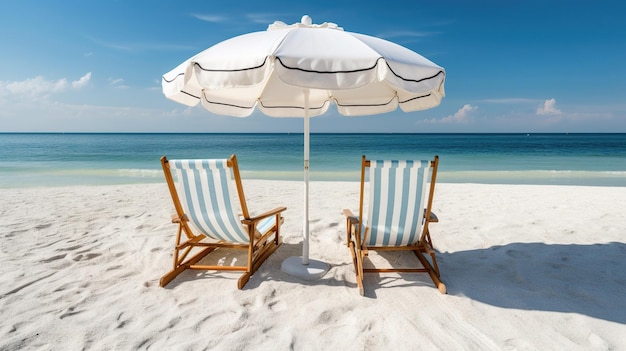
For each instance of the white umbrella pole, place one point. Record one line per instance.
(302, 266)
(305, 229)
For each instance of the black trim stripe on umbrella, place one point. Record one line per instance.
(184, 92)
(260, 102)
(173, 79)
(231, 70)
(292, 107)
(412, 80)
(225, 104)
(328, 72)
(364, 105)
(414, 98)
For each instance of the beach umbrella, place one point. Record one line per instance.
(299, 70)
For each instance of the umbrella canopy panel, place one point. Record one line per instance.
(272, 70)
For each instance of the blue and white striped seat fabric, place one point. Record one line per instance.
(397, 200)
(208, 194)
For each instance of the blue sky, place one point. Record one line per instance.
(512, 66)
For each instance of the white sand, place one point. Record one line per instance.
(527, 267)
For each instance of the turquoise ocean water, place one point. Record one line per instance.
(36, 159)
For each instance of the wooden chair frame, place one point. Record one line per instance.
(359, 250)
(259, 247)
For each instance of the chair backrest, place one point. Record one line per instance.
(397, 201)
(208, 195)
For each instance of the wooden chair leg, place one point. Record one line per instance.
(358, 267)
(348, 232)
(179, 268)
(243, 280)
(263, 254)
(169, 276)
(431, 271)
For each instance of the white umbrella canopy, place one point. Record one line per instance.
(271, 70)
(298, 70)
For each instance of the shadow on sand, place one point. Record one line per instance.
(269, 271)
(584, 279)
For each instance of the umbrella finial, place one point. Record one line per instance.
(306, 19)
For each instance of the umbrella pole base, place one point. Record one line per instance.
(314, 270)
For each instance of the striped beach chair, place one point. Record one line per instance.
(398, 216)
(211, 213)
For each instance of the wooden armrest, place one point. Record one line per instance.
(351, 216)
(433, 218)
(177, 219)
(273, 212)
(348, 213)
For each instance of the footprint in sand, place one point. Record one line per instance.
(86, 257)
(53, 258)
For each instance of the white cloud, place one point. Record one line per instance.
(210, 18)
(41, 86)
(33, 86)
(82, 82)
(548, 108)
(461, 116)
(118, 83)
(260, 18)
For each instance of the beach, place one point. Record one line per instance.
(527, 267)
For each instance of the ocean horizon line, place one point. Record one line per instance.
(319, 133)
(548, 158)
(103, 176)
